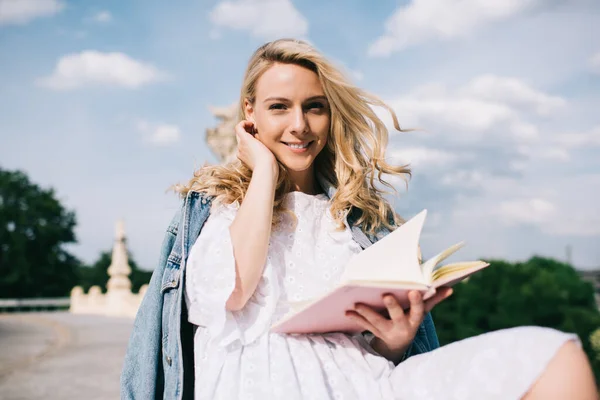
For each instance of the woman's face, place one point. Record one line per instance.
(291, 115)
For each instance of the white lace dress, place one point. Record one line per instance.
(237, 358)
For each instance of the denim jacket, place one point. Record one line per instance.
(156, 365)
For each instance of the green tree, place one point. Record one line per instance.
(97, 273)
(541, 292)
(34, 227)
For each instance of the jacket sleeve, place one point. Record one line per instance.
(142, 375)
(425, 340)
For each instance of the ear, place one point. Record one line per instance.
(248, 110)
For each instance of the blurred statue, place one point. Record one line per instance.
(118, 299)
(221, 139)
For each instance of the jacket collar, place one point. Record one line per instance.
(363, 239)
(327, 186)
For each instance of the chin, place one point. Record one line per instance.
(297, 165)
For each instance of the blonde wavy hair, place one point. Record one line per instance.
(353, 159)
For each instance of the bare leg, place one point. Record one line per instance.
(568, 376)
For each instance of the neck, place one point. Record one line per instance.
(304, 181)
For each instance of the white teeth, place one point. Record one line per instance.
(298, 146)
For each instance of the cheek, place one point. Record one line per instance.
(269, 130)
(321, 128)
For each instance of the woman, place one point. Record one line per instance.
(277, 226)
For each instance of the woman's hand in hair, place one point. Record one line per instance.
(395, 332)
(251, 151)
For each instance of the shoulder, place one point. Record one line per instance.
(192, 205)
(216, 218)
(221, 209)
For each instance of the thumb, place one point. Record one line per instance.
(442, 294)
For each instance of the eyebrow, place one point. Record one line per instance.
(283, 99)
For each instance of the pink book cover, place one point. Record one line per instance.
(389, 266)
(328, 313)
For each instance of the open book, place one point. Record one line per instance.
(391, 265)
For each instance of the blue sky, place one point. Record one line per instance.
(108, 103)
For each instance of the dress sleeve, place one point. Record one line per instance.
(210, 277)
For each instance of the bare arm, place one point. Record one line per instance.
(251, 228)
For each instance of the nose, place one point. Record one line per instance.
(299, 125)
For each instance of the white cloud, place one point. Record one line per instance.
(526, 211)
(464, 179)
(525, 131)
(19, 12)
(422, 157)
(514, 92)
(159, 134)
(544, 152)
(578, 203)
(468, 114)
(554, 153)
(590, 138)
(576, 223)
(566, 215)
(595, 62)
(264, 19)
(91, 67)
(424, 20)
(102, 17)
(568, 211)
(487, 103)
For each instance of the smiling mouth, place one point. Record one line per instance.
(298, 146)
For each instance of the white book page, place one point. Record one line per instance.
(393, 258)
(434, 262)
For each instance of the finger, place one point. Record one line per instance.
(239, 133)
(362, 322)
(242, 136)
(440, 295)
(374, 318)
(394, 309)
(417, 307)
(244, 129)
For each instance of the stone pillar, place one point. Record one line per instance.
(118, 287)
(119, 268)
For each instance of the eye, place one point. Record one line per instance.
(316, 105)
(277, 106)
